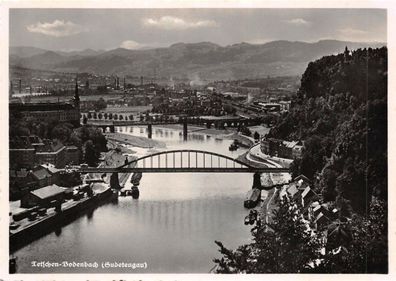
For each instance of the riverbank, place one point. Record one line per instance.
(30, 230)
(134, 140)
(226, 134)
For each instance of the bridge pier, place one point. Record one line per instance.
(185, 130)
(114, 181)
(150, 131)
(257, 180)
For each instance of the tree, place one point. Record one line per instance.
(91, 155)
(365, 249)
(100, 104)
(121, 117)
(95, 115)
(256, 136)
(245, 131)
(100, 116)
(105, 115)
(62, 132)
(288, 245)
(131, 117)
(85, 120)
(110, 116)
(89, 115)
(115, 116)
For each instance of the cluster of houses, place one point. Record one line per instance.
(29, 151)
(300, 190)
(318, 216)
(281, 148)
(22, 181)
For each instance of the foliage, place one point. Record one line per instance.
(245, 131)
(91, 154)
(62, 131)
(100, 104)
(288, 245)
(340, 111)
(367, 250)
(91, 137)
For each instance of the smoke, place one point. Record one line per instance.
(249, 98)
(195, 80)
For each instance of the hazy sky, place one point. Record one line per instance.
(75, 29)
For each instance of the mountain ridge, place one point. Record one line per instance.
(206, 60)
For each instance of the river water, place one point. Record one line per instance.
(171, 227)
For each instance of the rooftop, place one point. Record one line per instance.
(41, 173)
(47, 191)
(40, 106)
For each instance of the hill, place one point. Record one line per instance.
(341, 112)
(205, 60)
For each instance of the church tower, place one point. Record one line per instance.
(347, 56)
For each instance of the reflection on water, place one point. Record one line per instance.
(172, 226)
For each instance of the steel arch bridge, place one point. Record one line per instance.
(185, 161)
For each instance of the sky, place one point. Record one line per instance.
(104, 29)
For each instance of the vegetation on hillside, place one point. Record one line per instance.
(340, 112)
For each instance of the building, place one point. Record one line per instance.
(21, 182)
(43, 196)
(72, 155)
(281, 148)
(46, 112)
(285, 105)
(29, 155)
(22, 158)
(51, 152)
(298, 189)
(53, 171)
(41, 176)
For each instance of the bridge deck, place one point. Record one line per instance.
(184, 170)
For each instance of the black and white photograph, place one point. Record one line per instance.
(196, 140)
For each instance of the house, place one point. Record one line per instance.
(72, 155)
(42, 176)
(298, 189)
(22, 157)
(285, 105)
(21, 181)
(55, 172)
(281, 148)
(297, 151)
(43, 196)
(303, 178)
(52, 152)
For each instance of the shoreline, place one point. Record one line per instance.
(142, 142)
(226, 134)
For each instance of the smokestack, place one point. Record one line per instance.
(141, 80)
(20, 85)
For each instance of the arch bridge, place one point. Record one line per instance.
(185, 161)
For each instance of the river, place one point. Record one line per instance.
(171, 227)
